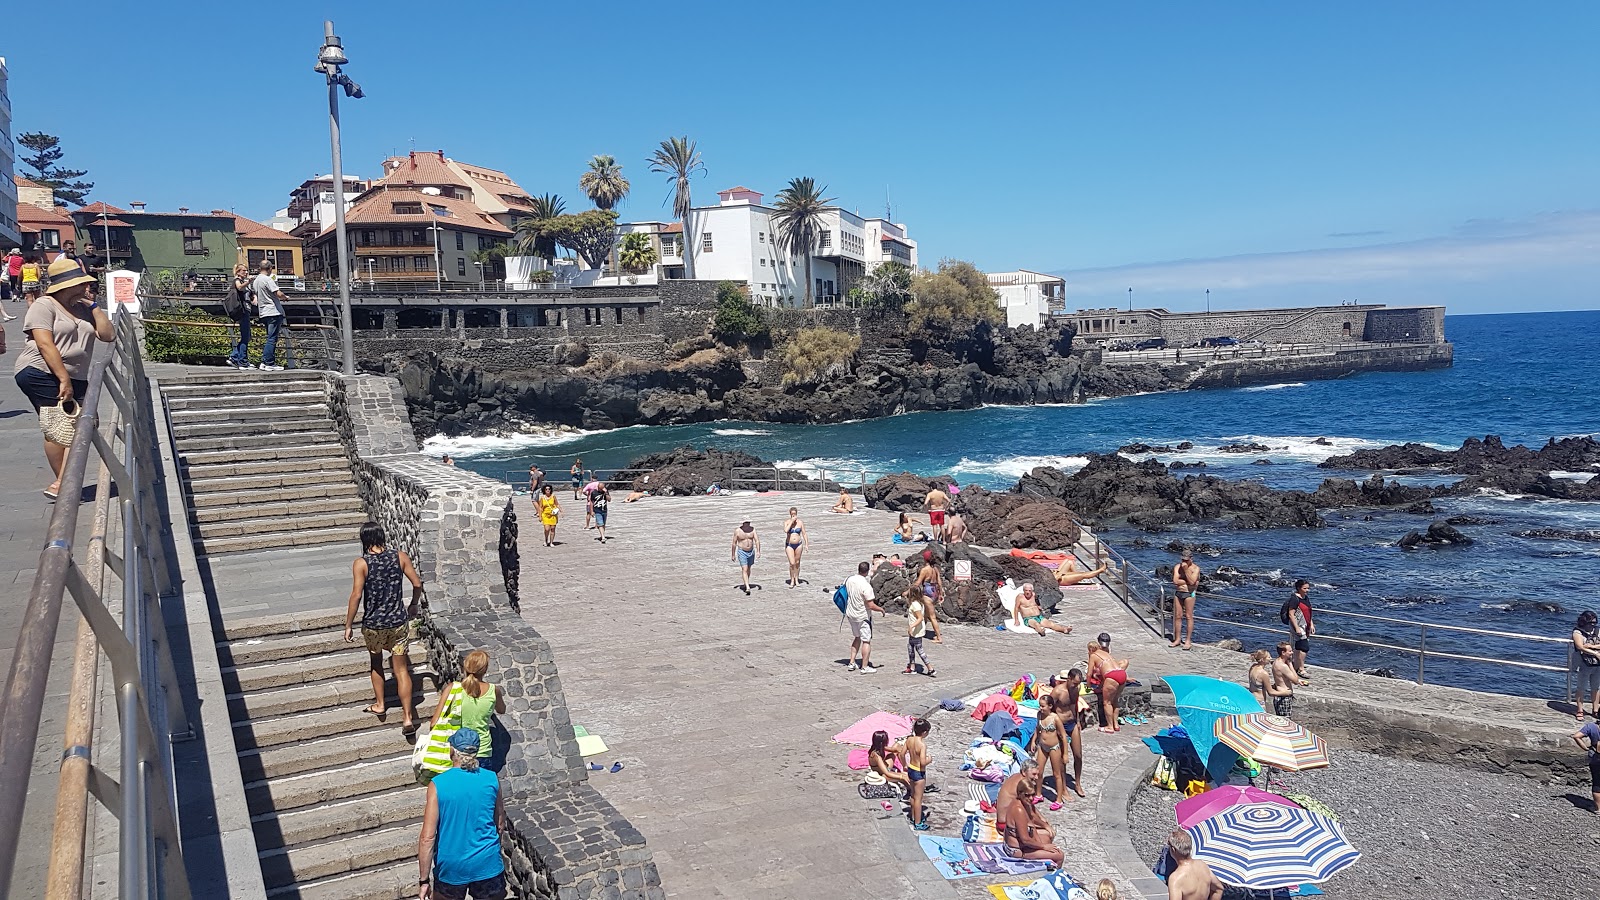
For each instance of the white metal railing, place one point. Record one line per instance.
(1209, 354)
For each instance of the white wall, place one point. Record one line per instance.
(1024, 304)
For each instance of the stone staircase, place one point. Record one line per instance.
(333, 801)
(261, 461)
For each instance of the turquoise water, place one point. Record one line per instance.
(1526, 377)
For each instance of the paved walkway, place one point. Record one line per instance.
(24, 513)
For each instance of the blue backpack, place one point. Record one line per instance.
(841, 598)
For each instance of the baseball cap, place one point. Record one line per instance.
(464, 740)
(1104, 639)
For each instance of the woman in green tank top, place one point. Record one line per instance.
(480, 700)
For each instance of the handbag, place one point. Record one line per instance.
(431, 755)
(60, 422)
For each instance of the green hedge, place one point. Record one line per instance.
(164, 342)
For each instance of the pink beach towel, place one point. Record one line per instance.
(861, 732)
(992, 703)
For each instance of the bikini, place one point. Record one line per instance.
(1050, 729)
(792, 532)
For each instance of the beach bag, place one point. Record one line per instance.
(60, 422)
(431, 755)
(841, 598)
(1166, 774)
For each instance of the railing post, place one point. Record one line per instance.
(1422, 651)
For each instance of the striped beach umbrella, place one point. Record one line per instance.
(1272, 741)
(1269, 845)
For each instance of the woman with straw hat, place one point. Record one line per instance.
(53, 370)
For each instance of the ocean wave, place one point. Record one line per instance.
(1286, 448)
(836, 468)
(468, 446)
(1018, 466)
(730, 432)
(1274, 387)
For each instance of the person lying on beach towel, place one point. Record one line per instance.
(906, 532)
(1027, 612)
(1067, 574)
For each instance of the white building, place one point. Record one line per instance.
(734, 241)
(10, 233)
(1029, 298)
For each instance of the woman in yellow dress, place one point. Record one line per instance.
(549, 511)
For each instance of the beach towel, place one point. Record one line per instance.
(995, 859)
(949, 856)
(979, 829)
(861, 732)
(1059, 886)
(983, 792)
(1000, 723)
(993, 702)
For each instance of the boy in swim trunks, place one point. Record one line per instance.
(917, 770)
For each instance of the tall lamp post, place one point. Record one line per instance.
(329, 59)
(1130, 299)
(438, 271)
(1208, 301)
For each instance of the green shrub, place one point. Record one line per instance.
(737, 321)
(817, 353)
(203, 344)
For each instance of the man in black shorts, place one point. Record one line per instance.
(1300, 626)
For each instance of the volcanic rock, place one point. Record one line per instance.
(1179, 464)
(686, 471)
(1438, 533)
(1017, 520)
(1251, 447)
(904, 492)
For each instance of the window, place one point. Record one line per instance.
(705, 242)
(369, 238)
(762, 235)
(763, 261)
(407, 209)
(193, 244)
(284, 260)
(483, 242)
(418, 237)
(421, 263)
(827, 239)
(461, 264)
(397, 238)
(50, 238)
(397, 263)
(461, 242)
(619, 314)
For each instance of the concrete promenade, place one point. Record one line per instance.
(722, 707)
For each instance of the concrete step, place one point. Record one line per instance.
(292, 525)
(259, 414)
(228, 400)
(287, 623)
(244, 437)
(237, 494)
(271, 472)
(298, 424)
(392, 882)
(299, 382)
(217, 546)
(265, 763)
(342, 691)
(283, 867)
(325, 785)
(273, 732)
(294, 646)
(311, 670)
(316, 823)
(301, 454)
(287, 511)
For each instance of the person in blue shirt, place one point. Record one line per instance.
(459, 850)
(1588, 737)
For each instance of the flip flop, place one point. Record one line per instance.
(616, 766)
(596, 767)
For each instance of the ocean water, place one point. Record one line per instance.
(1526, 377)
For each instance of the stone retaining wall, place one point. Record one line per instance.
(563, 841)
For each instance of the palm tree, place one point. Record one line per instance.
(486, 259)
(678, 158)
(533, 239)
(604, 182)
(795, 228)
(637, 253)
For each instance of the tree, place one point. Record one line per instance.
(591, 234)
(737, 321)
(678, 158)
(954, 301)
(638, 254)
(815, 354)
(46, 153)
(798, 223)
(488, 256)
(886, 287)
(604, 182)
(534, 238)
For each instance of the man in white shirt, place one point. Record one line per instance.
(269, 307)
(858, 609)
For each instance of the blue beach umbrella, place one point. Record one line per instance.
(1268, 845)
(1201, 701)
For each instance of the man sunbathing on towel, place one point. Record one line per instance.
(1024, 784)
(1068, 574)
(1026, 840)
(1026, 611)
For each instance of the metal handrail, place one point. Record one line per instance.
(149, 704)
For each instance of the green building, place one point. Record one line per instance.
(184, 242)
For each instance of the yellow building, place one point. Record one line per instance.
(258, 241)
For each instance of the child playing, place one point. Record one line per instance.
(917, 769)
(916, 629)
(879, 756)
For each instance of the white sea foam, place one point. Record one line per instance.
(1573, 476)
(492, 445)
(836, 467)
(1284, 448)
(1018, 466)
(1275, 387)
(731, 432)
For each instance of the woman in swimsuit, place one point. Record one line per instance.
(908, 531)
(1107, 676)
(1047, 746)
(845, 504)
(880, 756)
(795, 543)
(1260, 676)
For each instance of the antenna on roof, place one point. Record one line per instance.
(888, 209)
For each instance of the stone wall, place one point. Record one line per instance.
(1320, 365)
(1417, 323)
(562, 841)
(686, 308)
(1296, 325)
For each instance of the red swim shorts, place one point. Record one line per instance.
(936, 517)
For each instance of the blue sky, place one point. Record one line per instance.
(1276, 153)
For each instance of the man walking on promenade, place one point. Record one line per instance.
(269, 306)
(1283, 683)
(1588, 738)
(935, 503)
(1297, 613)
(858, 609)
(1186, 579)
(1190, 879)
(746, 547)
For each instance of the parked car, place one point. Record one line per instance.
(1151, 344)
(1120, 346)
(1220, 342)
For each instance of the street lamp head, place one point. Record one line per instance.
(332, 53)
(351, 89)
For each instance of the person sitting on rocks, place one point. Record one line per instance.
(907, 532)
(845, 505)
(1068, 574)
(1026, 611)
(955, 529)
